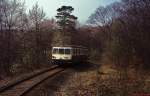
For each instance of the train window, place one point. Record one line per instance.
(74, 52)
(55, 51)
(61, 51)
(78, 51)
(81, 51)
(67, 51)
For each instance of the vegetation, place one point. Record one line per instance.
(126, 28)
(24, 37)
(124, 31)
(64, 18)
(117, 34)
(66, 26)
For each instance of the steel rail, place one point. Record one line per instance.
(32, 87)
(12, 84)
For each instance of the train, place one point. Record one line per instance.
(69, 54)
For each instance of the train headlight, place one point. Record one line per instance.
(66, 57)
(53, 57)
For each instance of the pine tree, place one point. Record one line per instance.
(64, 18)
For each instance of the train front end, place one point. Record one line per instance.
(61, 55)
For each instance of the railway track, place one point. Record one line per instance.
(22, 87)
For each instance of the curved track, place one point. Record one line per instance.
(24, 86)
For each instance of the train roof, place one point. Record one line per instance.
(70, 46)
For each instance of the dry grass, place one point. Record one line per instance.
(104, 81)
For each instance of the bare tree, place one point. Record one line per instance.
(36, 16)
(9, 16)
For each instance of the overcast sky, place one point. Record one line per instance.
(83, 8)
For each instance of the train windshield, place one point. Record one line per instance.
(61, 51)
(55, 51)
(67, 51)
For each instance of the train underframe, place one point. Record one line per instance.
(80, 59)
